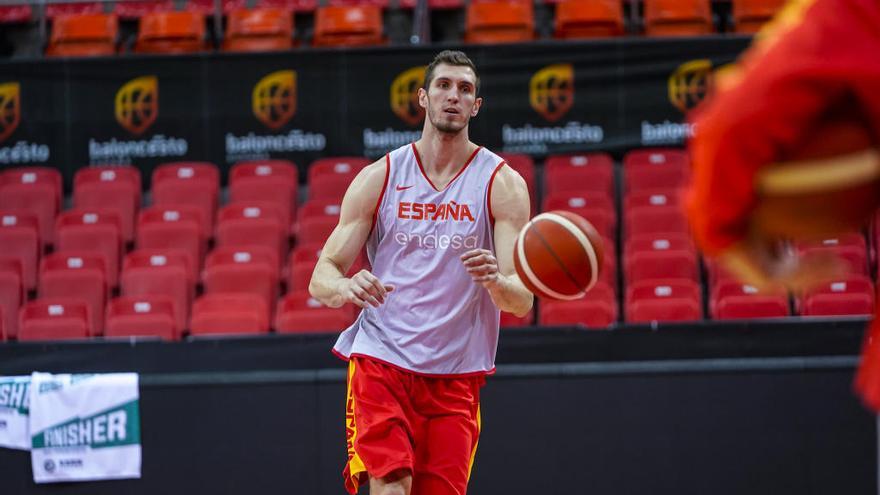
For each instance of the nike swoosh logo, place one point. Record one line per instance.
(403, 188)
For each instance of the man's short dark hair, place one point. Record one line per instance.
(451, 57)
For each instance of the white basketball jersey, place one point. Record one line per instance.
(437, 320)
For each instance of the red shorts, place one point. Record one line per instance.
(396, 420)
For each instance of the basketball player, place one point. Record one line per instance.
(815, 56)
(439, 218)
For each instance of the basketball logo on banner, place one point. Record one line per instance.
(551, 91)
(405, 95)
(689, 83)
(137, 104)
(274, 98)
(10, 108)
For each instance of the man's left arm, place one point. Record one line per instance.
(509, 203)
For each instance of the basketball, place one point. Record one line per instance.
(829, 186)
(558, 255)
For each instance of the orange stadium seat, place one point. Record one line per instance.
(337, 165)
(12, 294)
(20, 239)
(189, 183)
(300, 312)
(36, 190)
(171, 32)
(229, 313)
(114, 188)
(13, 14)
(750, 15)
(267, 180)
(259, 30)
(206, 7)
(148, 272)
(589, 19)
(135, 9)
(76, 276)
(663, 300)
(85, 35)
(348, 25)
(92, 230)
(253, 269)
(54, 10)
(678, 18)
(139, 316)
(499, 21)
(53, 319)
(245, 223)
(173, 227)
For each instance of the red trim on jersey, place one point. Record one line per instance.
(461, 171)
(382, 193)
(418, 373)
(489, 192)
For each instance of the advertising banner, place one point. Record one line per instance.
(85, 427)
(14, 415)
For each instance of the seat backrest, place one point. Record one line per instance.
(85, 28)
(270, 170)
(289, 5)
(348, 25)
(678, 17)
(243, 210)
(34, 175)
(73, 260)
(651, 197)
(171, 32)
(655, 156)
(663, 288)
(74, 313)
(117, 173)
(13, 14)
(170, 214)
(589, 18)
(749, 15)
(134, 9)
(259, 30)
(203, 172)
(239, 255)
(337, 165)
(320, 208)
(15, 219)
(499, 21)
(659, 242)
(206, 7)
(55, 10)
(89, 216)
(573, 200)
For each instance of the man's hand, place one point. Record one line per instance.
(482, 265)
(363, 288)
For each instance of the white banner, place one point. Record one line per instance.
(85, 427)
(14, 402)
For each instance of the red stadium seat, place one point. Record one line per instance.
(654, 169)
(12, 295)
(20, 238)
(291, 5)
(206, 7)
(510, 320)
(84, 35)
(598, 309)
(252, 269)
(171, 32)
(525, 167)
(589, 19)
(651, 197)
(135, 9)
(851, 248)
(678, 17)
(655, 220)
(596, 207)
(348, 166)
(673, 263)
(248, 223)
(54, 10)
(114, 188)
(851, 295)
(188, 183)
(320, 208)
(53, 319)
(300, 312)
(348, 25)
(499, 21)
(149, 272)
(329, 187)
(173, 228)
(300, 275)
(92, 230)
(259, 30)
(141, 316)
(655, 156)
(36, 190)
(76, 276)
(750, 15)
(731, 299)
(229, 313)
(267, 180)
(13, 14)
(579, 173)
(663, 300)
(315, 229)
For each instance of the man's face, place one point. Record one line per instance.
(451, 99)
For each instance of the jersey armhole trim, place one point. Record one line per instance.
(489, 192)
(382, 193)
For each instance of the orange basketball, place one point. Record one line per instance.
(558, 255)
(828, 184)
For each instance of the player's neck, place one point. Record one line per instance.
(441, 152)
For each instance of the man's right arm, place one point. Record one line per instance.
(329, 283)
